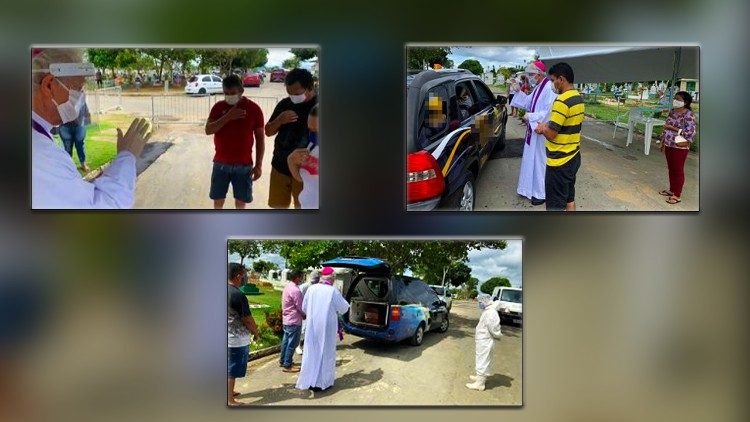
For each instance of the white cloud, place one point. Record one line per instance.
(508, 263)
(272, 257)
(276, 56)
(493, 56)
(512, 56)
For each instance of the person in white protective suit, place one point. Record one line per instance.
(488, 329)
(57, 96)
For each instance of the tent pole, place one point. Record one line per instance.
(675, 72)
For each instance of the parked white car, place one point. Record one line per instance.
(511, 303)
(204, 84)
(444, 294)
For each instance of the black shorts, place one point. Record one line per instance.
(560, 184)
(510, 98)
(239, 175)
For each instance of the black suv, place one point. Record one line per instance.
(448, 140)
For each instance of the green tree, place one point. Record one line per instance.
(489, 285)
(104, 58)
(221, 58)
(435, 258)
(431, 259)
(250, 58)
(261, 266)
(244, 248)
(420, 57)
(472, 66)
(291, 63)
(494, 71)
(305, 53)
(506, 72)
(457, 274)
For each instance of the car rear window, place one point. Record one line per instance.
(371, 289)
(193, 79)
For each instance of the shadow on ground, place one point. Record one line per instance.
(459, 327)
(151, 152)
(288, 391)
(513, 149)
(498, 380)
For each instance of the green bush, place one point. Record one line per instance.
(268, 338)
(275, 321)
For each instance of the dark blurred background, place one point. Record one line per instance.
(120, 316)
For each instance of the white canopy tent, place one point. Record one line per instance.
(627, 64)
(630, 64)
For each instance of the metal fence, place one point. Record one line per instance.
(105, 99)
(184, 109)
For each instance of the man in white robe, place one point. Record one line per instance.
(323, 304)
(487, 331)
(538, 105)
(57, 95)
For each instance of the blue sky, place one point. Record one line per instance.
(484, 263)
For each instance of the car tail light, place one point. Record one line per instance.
(424, 177)
(395, 313)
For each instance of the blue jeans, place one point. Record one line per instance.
(289, 342)
(72, 134)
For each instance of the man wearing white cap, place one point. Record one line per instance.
(538, 106)
(58, 76)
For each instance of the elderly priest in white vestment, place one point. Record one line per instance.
(538, 105)
(323, 304)
(57, 96)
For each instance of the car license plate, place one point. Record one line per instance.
(516, 321)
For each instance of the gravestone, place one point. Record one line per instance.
(250, 289)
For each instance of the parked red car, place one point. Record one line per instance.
(278, 75)
(251, 79)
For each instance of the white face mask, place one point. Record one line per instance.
(70, 109)
(532, 81)
(296, 99)
(232, 99)
(678, 104)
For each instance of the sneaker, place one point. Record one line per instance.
(292, 369)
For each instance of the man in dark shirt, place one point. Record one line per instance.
(289, 123)
(240, 324)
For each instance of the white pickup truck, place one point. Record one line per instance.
(511, 299)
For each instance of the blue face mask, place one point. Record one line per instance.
(312, 139)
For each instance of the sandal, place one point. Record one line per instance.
(673, 200)
(666, 193)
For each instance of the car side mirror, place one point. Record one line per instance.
(502, 100)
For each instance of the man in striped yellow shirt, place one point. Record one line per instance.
(563, 134)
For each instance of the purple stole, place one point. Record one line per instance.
(39, 128)
(534, 98)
